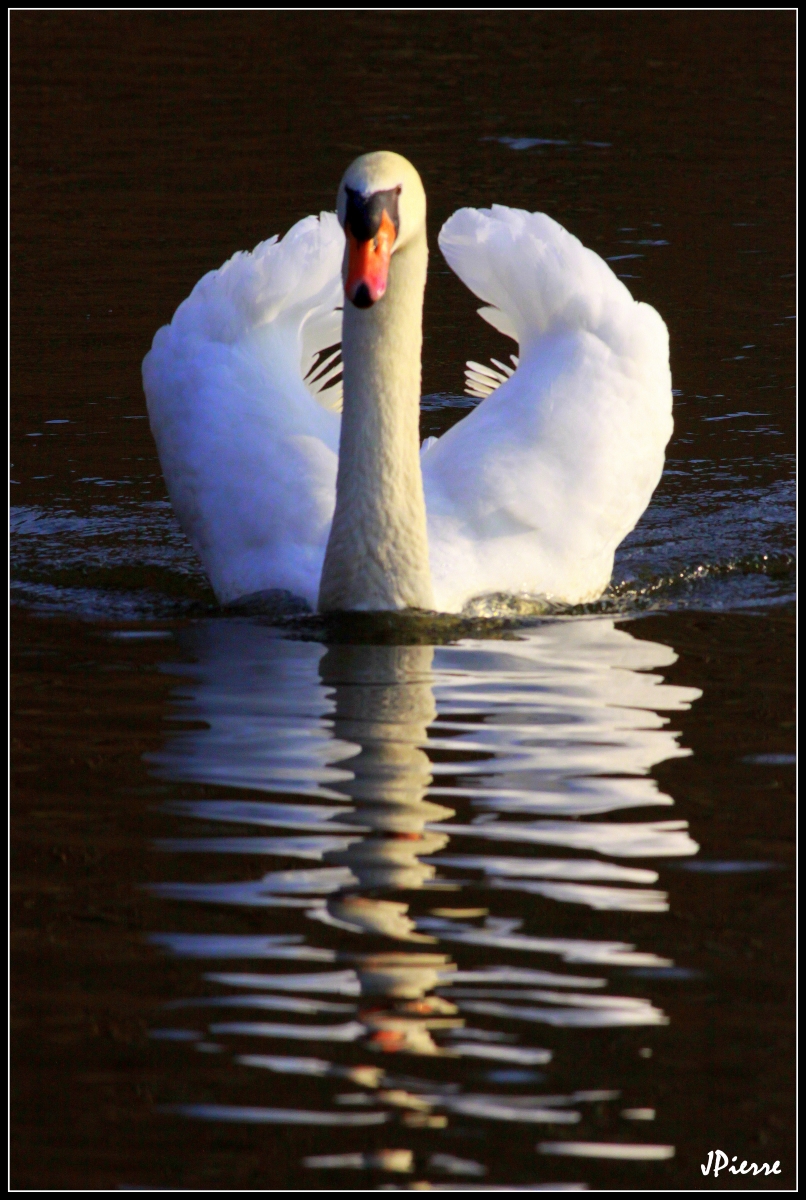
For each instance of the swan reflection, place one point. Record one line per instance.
(384, 704)
(404, 778)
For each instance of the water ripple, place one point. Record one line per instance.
(376, 759)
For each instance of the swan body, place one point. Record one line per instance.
(530, 493)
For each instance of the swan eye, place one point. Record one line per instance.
(364, 213)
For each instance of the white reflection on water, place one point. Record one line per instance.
(364, 748)
(636, 1152)
(273, 1116)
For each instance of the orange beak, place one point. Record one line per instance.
(368, 264)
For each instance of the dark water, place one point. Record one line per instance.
(448, 904)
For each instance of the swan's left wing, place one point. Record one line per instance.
(533, 491)
(243, 391)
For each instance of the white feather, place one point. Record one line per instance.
(248, 454)
(533, 491)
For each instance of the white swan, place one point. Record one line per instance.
(530, 493)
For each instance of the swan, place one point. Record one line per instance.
(294, 470)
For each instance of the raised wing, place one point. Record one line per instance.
(243, 391)
(533, 491)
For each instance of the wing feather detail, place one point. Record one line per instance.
(243, 390)
(481, 380)
(532, 492)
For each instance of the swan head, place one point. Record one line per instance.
(381, 207)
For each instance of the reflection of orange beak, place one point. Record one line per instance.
(388, 1039)
(368, 264)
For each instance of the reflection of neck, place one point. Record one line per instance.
(377, 553)
(384, 705)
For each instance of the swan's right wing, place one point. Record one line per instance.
(534, 489)
(243, 392)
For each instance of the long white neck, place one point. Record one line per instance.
(377, 554)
